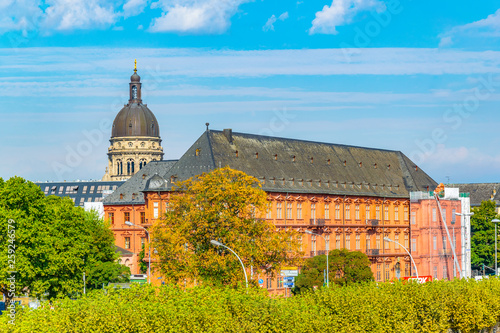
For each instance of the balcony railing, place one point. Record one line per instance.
(317, 221)
(373, 252)
(373, 222)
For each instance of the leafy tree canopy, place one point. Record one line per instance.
(223, 205)
(50, 242)
(483, 235)
(345, 267)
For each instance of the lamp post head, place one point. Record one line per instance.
(216, 243)
(309, 232)
(495, 220)
(129, 223)
(387, 239)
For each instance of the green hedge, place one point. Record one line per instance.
(467, 306)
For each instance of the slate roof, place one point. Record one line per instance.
(481, 192)
(297, 166)
(136, 183)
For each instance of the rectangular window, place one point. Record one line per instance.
(91, 189)
(444, 215)
(155, 210)
(278, 211)
(407, 270)
(126, 216)
(377, 242)
(445, 273)
(406, 241)
(358, 242)
(434, 214)
(434, 242)
(444, 242)
(356, 212)
(127, 242)
(387, 245)
(377, 212)
(368, 242)
(327, 211)
(111, 218)
(453, 212)
(337, 212)
(280, 282)
(269, 283)
(396, 213)
(435, 272)
(337, 241)
(348, 242)
(379, 272)
(327, 242)
(413, 245)
(84, 191)
(143, 242)
(313, 211)
(413, 217)
(289, 211)
(348, 212)
(367, 212)
(143, 217)
(299, 211)
(406, 217)
(269, 213)
(396, 245)
(387, 272)
(386, 213)
(313, 245)
(61, 189)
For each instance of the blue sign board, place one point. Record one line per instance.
(289, 284)
(289, 278)
(261, 281)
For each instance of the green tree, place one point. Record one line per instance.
(483, 235)
(345, 267)
(143, 267)
(50, 242)
(224, 205)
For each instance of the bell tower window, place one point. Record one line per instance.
(134, 92)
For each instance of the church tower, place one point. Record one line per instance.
(135, 136)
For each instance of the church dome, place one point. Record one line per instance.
(135, 120)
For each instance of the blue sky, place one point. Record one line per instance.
(420, 77)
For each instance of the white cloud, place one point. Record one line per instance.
(78, 14)
(134, 7)
(342, 12)
(270, 22)
(190, 16)
(488, 27)
(19, 15)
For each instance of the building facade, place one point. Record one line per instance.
(352, 196)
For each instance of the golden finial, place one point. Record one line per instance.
(135, 65)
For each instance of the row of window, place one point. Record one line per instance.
(349, 212)
(127, 242)
(126, 217)
(130, 166)
(353, 242)
(395, 268)
(73, 189)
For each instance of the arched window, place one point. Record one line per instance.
(128, 168)
(119, 167)
(134, 92)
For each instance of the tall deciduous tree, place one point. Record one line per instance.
(50, 242)
(223, 205)
(483, 235)
(345, 267)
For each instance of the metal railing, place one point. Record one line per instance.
(317, 221)
(372, 222)
(373, 252)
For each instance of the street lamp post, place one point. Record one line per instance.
(387, 239)
(465, 242)
(149, 247)
(216, 243)
(496, 264)
(327, 250)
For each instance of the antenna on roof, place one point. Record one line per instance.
(207, 124)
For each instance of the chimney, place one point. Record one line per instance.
(229, 135)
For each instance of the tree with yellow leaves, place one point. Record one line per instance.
(224, 205)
